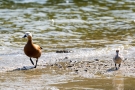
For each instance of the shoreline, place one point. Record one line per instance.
(75, 70)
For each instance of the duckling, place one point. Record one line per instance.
(32, 50)
(117, 59)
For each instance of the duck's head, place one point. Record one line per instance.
(27, 34)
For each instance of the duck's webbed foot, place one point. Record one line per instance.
(36, 63)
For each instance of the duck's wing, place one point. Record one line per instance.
(37, 46)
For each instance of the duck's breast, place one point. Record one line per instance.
(32, 50)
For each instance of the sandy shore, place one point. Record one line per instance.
(60, 71)
(69, 75)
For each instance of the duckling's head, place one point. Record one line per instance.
(117, 51)
(27, 34)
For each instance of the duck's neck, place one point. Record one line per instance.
(29, 39)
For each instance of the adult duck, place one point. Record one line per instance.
(32, 50)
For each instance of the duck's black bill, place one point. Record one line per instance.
(24, 36)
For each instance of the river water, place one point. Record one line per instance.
(90, 29)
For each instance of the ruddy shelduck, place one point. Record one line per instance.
(117, 59)
(32, 50)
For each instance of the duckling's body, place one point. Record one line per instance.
(117, 59)
(32, 50)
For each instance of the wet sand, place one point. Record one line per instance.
(54, 78)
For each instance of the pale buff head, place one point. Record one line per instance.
(27, 34)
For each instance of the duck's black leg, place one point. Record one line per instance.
(31, 61)
(36, 63)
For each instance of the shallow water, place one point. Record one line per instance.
(91, 30)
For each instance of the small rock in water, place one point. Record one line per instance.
(76, 70)
(66, 58)
(96, 59)
(70, 61)
(51, 65)
(63, 51)
(70, 66)
(85, 70)
(90, 62)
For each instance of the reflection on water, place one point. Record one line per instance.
(118, 81)
(92, 29)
